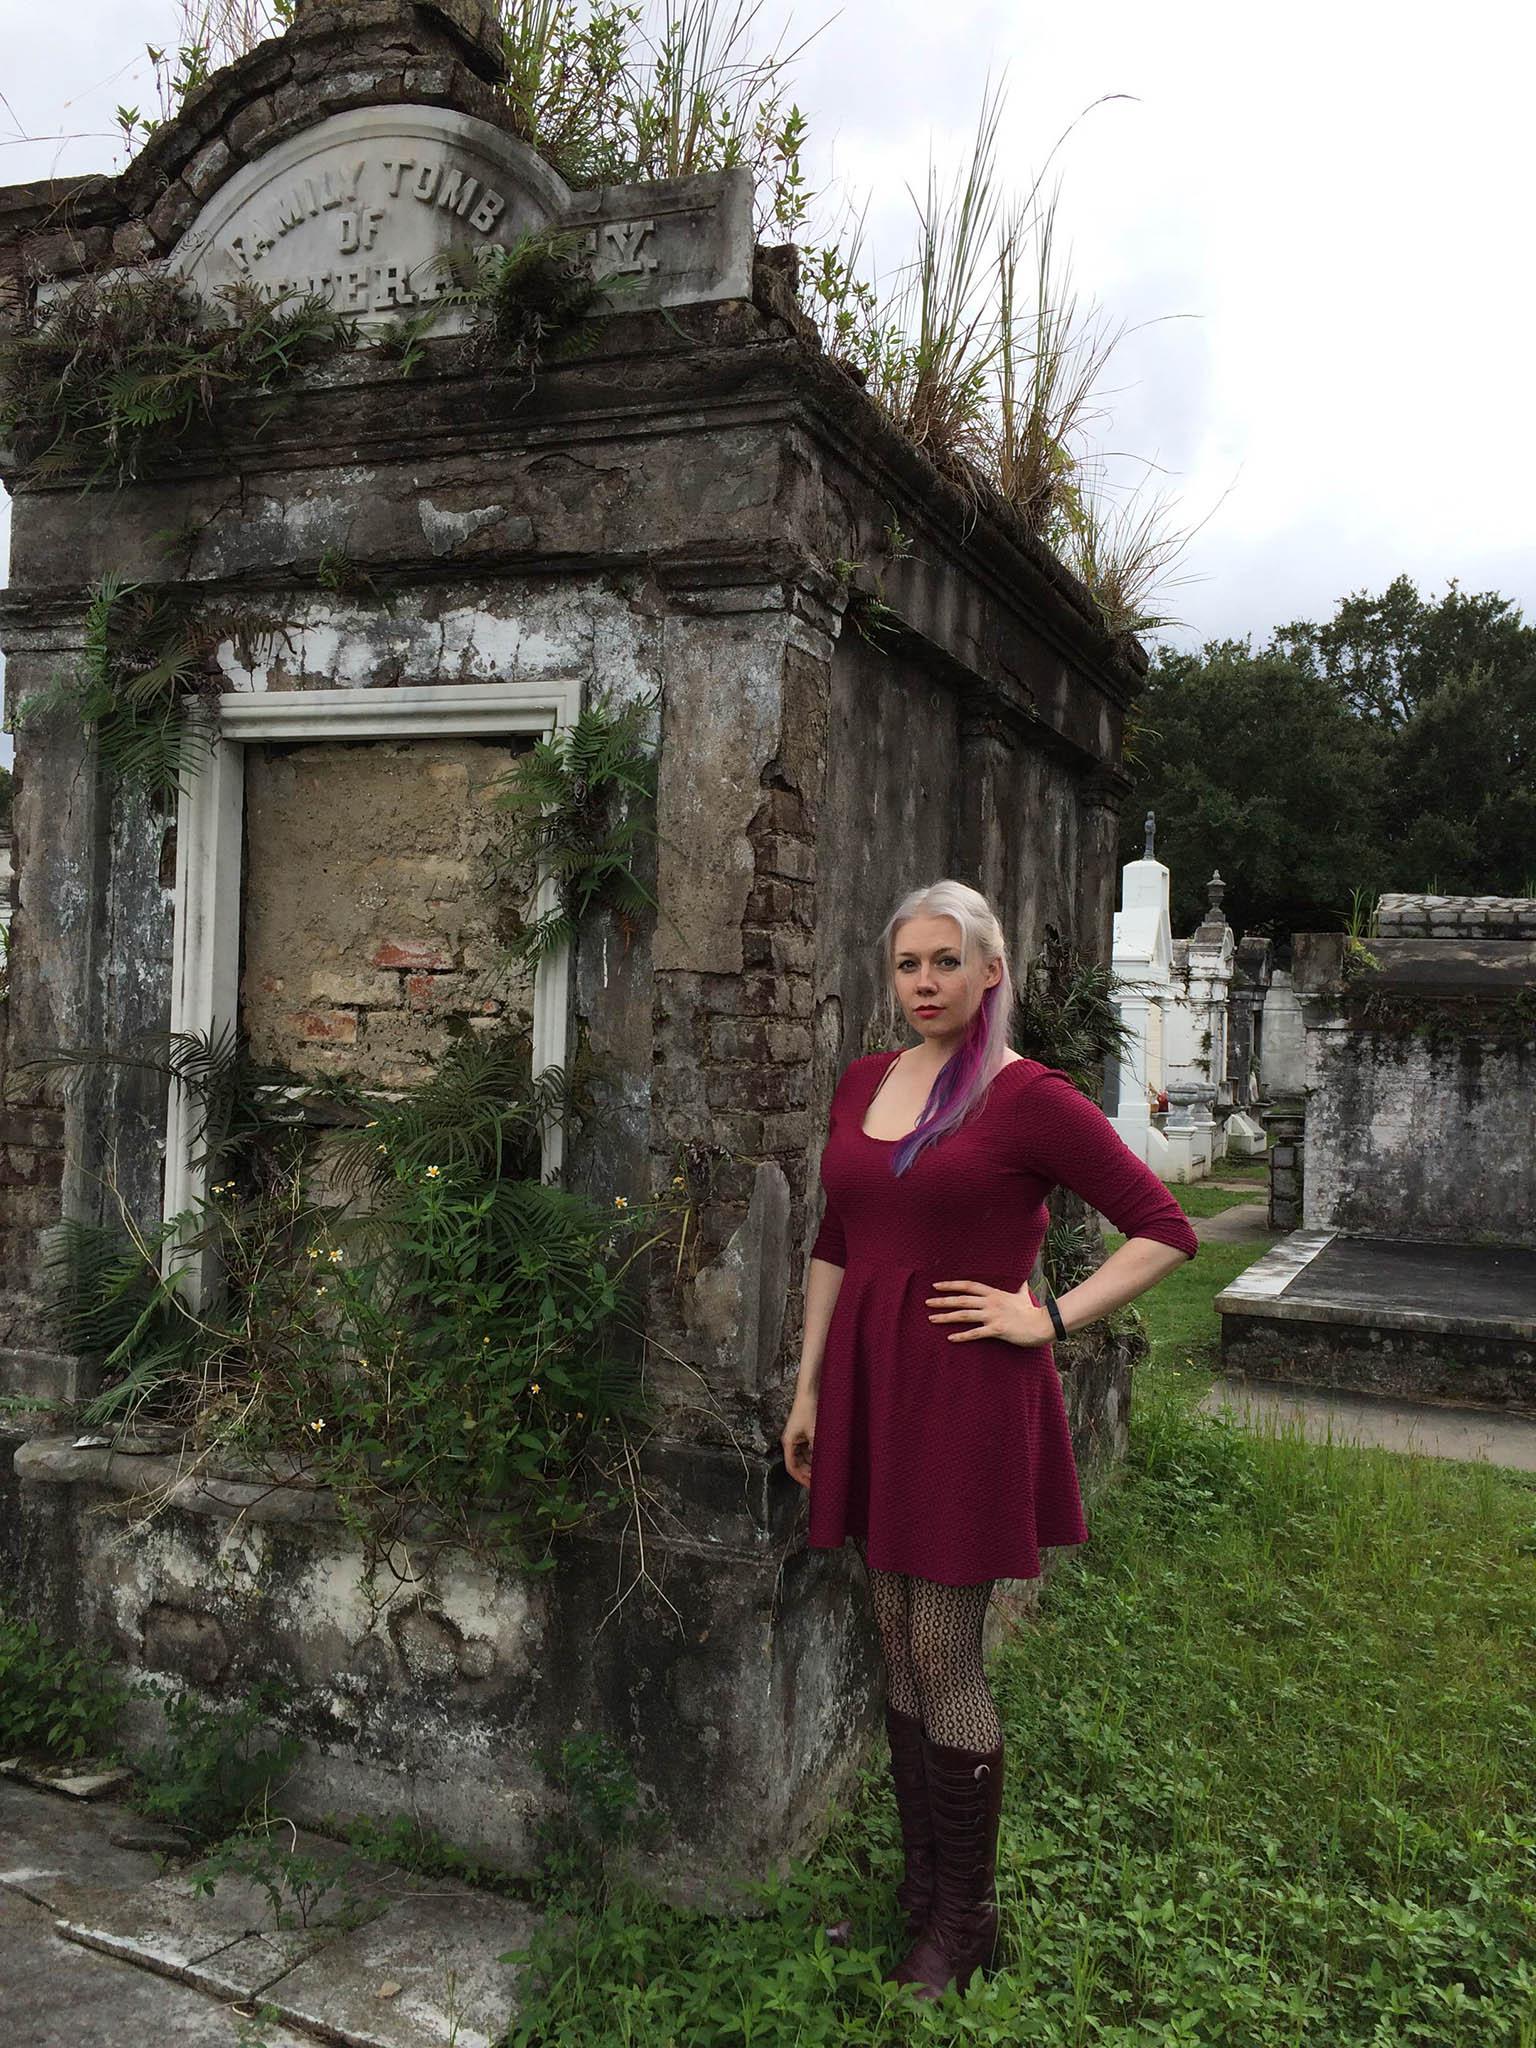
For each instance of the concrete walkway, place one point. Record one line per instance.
(1368, 1421)
(101, 1941)
(1243, 1223)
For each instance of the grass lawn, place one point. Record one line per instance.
(1182, 1325)
(1243, 1169)
(1199, 1198)
(1271, 1750)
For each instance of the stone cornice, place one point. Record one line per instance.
(694, 370)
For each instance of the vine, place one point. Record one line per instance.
(442, 1339)
(578, 808)
(144, 659)
(120, 361)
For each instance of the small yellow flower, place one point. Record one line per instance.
(433, 1172)
(621, 1201)
(363, 1363)
(534, 1388)
(581, 1415)
(383, 1148)
(335, 1257)
(317, 1425)
(678, 1181)
(314, 1251)
(485, 1340)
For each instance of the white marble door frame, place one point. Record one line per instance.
(206, 947)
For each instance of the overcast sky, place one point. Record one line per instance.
(1324, 209)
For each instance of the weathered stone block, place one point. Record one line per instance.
(208, 168)
(250, 129)
(416, 956)
(787, 1131)
(780, 854)
(173, 213)
(337, 1027)
(756, 1088)
(739, 1038)
(134, 242)
(69, 251)
(792, 952)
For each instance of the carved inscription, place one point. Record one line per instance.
(617, 248)
(360, 210)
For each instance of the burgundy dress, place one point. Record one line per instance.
(955, 1460)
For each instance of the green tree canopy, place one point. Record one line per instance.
(1392, 747)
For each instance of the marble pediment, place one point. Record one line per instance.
(363, 207)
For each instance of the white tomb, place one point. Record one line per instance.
(1142, 963)
(1196, 1043)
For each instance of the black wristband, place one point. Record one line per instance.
(1055, 1314)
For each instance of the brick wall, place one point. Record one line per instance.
(373, 929)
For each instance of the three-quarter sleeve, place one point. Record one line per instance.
(828, 1243)
(1072, 1143)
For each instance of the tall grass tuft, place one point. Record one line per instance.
(565, 73)
(936, 382)
(1051, 356)
(1125, 551)
(611, 92)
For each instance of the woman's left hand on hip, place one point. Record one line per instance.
(989, 1312)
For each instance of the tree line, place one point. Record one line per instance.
(1391, 747)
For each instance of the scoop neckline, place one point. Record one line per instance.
(870, 1138)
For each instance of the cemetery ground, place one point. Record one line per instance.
(1270, 1746)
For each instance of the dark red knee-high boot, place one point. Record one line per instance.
(965, 1798)
(909, 1778)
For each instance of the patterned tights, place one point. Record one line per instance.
(931, 1636)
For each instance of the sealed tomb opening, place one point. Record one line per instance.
(373, 926)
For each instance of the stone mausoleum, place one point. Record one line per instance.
(1413, 1274)
(427, 565)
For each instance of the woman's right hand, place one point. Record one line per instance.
(799, 1435)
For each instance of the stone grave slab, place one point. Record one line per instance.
(1430, 1322)
(51, 1846)
(427, 1972)
(57, 1995)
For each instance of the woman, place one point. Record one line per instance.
(927, 1384)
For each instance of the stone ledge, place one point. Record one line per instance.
(1453, 963)
(702, 1508)
(1288, 1286)
(67, 1461)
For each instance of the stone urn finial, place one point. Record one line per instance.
(1215, 889)
(1146, 851)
